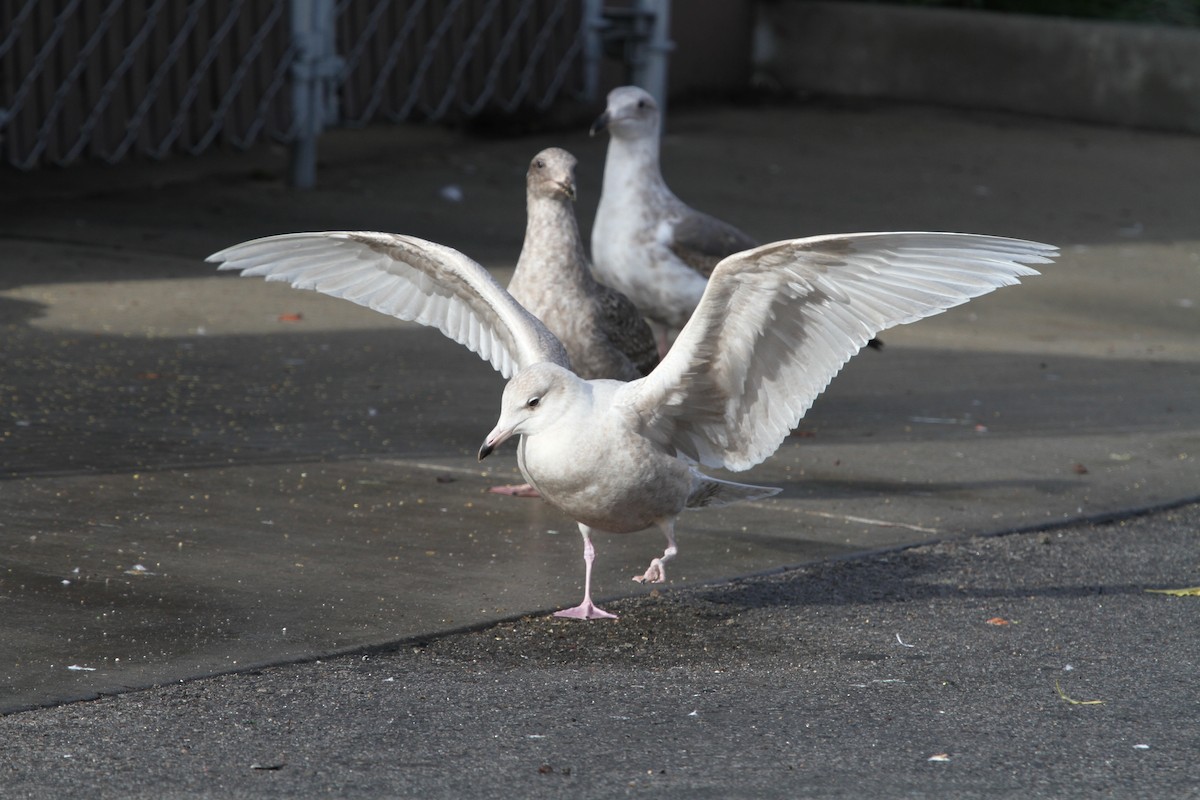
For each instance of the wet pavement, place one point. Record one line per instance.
(202, 474)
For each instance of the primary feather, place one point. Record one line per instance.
(408, 278)
(776, 323)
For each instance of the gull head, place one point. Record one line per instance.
(552, 174)
(535, 398)
(632, 113)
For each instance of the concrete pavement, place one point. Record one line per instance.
(204, 473)
(1022, 666)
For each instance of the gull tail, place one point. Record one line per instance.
(712, 493)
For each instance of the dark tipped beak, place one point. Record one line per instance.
(568, 189)
(600, 124)
(497, 437)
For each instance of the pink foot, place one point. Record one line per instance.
(655, 574)
(519, 490)
(585, 610)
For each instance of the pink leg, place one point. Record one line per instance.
(516, 490)
(587, 609)
(656, 573)
(662, 338)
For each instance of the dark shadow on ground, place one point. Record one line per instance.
(89, 403)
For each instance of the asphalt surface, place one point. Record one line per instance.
(203, 476)
(1031, 665)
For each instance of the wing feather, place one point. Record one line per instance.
(701, 241)
(778, 322)
(408, 278)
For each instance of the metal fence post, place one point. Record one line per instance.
(650, 71)
(593, 47)
(639, 36)
(316, 67)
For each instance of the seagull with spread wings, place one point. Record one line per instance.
(773, 327)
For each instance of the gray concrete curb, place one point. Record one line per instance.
(1112, 73)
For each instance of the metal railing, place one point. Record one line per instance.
(110, 79)
(105, 80)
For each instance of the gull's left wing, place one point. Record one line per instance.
(408, 278)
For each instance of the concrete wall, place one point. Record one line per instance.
(712, 56)
(1138, 75)
(712, 47)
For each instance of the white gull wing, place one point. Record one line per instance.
(408, 278)
(776, 323)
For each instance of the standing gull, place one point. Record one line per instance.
(774, 325)
(646, 242)
(602, 331)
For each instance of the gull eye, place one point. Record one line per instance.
(538, 163)
(641, 103)
(533, 402)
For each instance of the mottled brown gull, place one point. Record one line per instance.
(603, 332)
(775, 324)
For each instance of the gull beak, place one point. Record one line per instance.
(600, 124)
(568, 188)
(494, 439)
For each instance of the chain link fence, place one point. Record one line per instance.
(433, 60)
(110, 79)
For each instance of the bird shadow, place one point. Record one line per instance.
(909, 577)
(829, 488)
(19, 312)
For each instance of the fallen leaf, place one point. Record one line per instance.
(1080, 469)
(291, 317)
(939, 757)
(1073, 701)
(1191, 591)
(998, 621)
